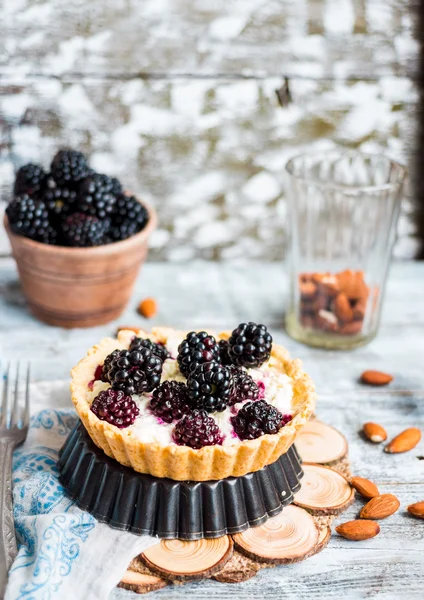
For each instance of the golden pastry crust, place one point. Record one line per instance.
(182, 462)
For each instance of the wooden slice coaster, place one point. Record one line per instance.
(141, 583)
(180, 560)
(324, 491)
(289, 537)
(323, 538)
(321, 444)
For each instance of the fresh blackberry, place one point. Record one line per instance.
(84, 230)
(135, 371)
(158, 349)
(30, 179)
(170, 401)
(115, 407)
(106, 365)
(68, 168)
(60, 202)
(98, 195)
(250, 345)
(197, 430)
(224, 353)
(129, 217)
(197, 348)
(210, 386)
(244, 387)
(258, 418)
(30, 218)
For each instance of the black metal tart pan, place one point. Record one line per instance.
(189, 510)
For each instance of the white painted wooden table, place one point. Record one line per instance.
(219, 296)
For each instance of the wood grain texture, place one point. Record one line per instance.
(178, 98)
(221, 295)
(364, 38)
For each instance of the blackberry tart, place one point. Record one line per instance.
(232, 409)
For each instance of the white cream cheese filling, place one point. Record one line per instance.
(276, 388)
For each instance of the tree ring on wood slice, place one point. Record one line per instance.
(289, 537)
(181, 560)
(141, 583)
(319, 443)
(324, 491)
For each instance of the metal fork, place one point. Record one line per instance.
(14, 423)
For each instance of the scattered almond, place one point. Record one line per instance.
(376, 378)
(417, 509)
(365, 487)
(148, 308)
(380, 507)
(127, 328)
(374, 432)
(404, 442)
(358, 530)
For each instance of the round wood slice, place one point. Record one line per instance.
(239, 568)
(289, 537)
(181, 560)
(324, 491)
(319, 443)
(323, 539)
(141, 583)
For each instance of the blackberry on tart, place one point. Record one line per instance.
(250, 345)
(210, 386)
(197, 348)
(134, 371)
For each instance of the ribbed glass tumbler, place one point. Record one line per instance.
(343, 208)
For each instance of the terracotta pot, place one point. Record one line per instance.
(79, 287)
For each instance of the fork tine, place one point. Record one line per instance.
(25, 422)
(4, 419)
(14, 419)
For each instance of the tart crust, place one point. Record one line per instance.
(182, 462)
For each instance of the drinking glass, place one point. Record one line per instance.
(343, 210)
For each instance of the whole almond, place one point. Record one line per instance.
(404, 442)
(326, 320)
(148, 308)
(376, 378)
(351, 328)
(307, 289)
(380, 507)
(342, 308)
(374, 432)
(358, 530)
(417, 509)
(352, 284)
(359, 310)
(127, 328)
(365, 487)
(327, 284)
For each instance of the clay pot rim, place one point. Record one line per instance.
(106, 249)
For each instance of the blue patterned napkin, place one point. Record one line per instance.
(63, 551)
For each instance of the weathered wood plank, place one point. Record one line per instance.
(210, 155)
(312, 38)
(389, 566)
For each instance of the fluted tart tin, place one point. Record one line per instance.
(191, 510)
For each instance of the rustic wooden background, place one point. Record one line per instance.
(177, 97)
